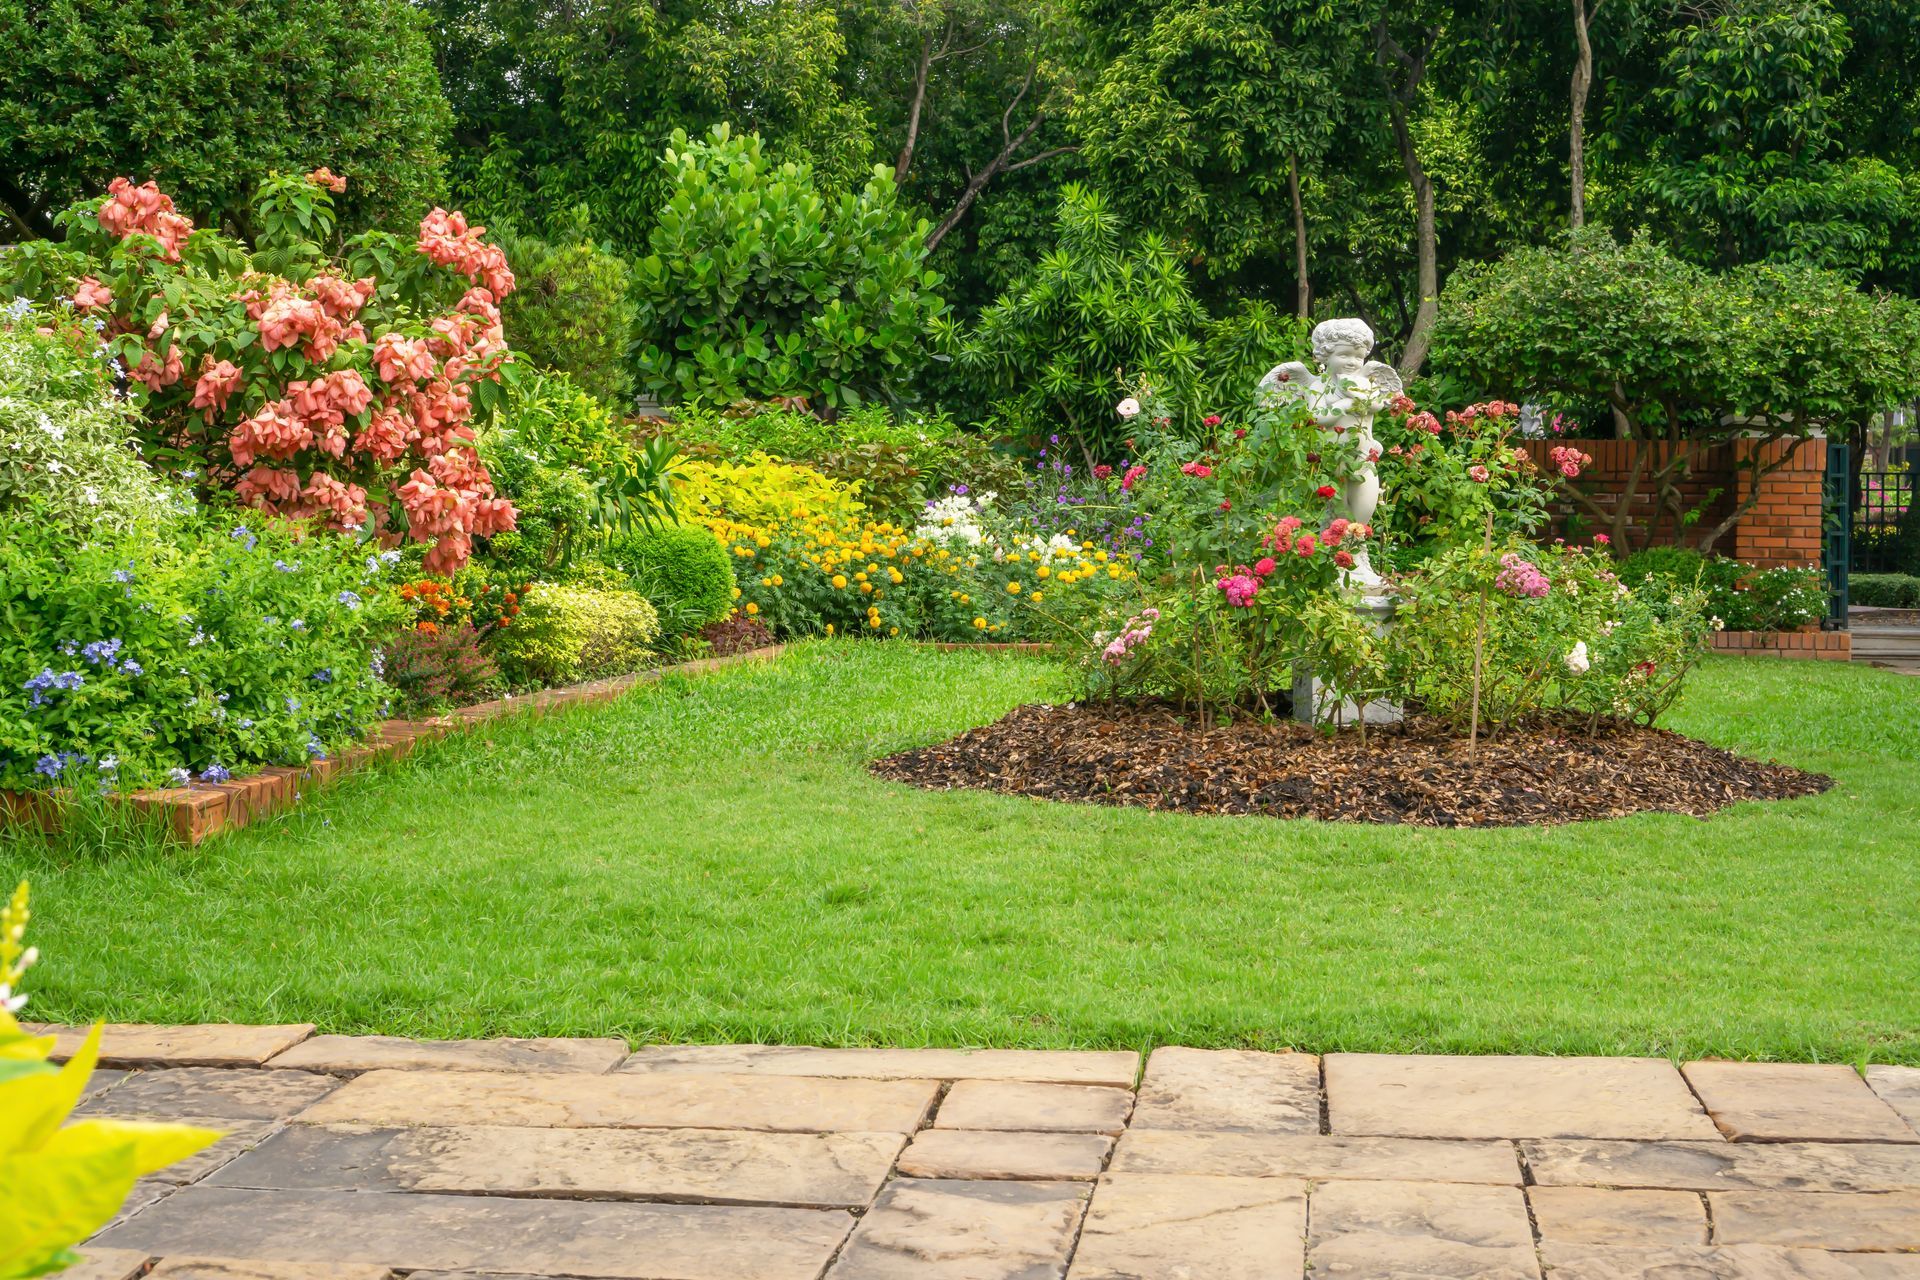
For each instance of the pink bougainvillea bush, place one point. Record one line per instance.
(314, 379)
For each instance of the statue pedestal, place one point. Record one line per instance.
(1318, 703)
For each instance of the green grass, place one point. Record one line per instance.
(708, 860)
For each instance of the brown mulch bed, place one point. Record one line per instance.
(1150, 756)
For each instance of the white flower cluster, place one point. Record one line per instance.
(955, 519)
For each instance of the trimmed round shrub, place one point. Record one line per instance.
(682, 568)
(1885, 590)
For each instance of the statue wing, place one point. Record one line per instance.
(1385, 378)
(1290, 379)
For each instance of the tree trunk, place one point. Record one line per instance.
(905, 160)
(1426, 247)
(1577, 137)
(28, 215)
(1304, 288)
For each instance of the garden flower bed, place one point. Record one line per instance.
(1149, 755)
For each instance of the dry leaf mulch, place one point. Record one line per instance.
(1151, 756)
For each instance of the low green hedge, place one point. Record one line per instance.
(1886, 590)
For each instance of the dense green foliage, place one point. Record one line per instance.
(760, 283)
(572, 311)
(211, 98)
(570, 633)
(1885, 590)
(1742, 597)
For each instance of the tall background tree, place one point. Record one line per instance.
(210, 98)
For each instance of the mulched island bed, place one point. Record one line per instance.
(1147, 755)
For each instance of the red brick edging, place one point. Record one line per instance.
(199, 810)
(1808, 642)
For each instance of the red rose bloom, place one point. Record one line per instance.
(1324, 491)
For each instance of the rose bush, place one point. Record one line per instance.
(338, 389)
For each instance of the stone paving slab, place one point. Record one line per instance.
(1034, 1108)
(106, 1264)
(103, 1079)
(241, 1136)
(1183, 1225)
(663, 1100)
(352, 1055)
(951, 1230)
(1253, 1155)
(976, 1154)
(1724, 1166)
(1430, 1096)
(1899, 1088)
(1113, 1068)
(1425, 1229)
(189, 1268)
(452, 1233)
(702, 1166)
(219, 1092)
(1599, 1215)
(1229, 1090)
(1719, 1262)
(207, 1045)
(1879, 1220)
(1794, 1101)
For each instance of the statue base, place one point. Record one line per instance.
(1317, 703)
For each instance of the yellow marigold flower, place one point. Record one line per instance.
(1042, 572)
(860, 577)
(1101, 556)
(866, 586)
(829, 628)
(895, 576)
(1113, 571)
(965, 598)
(779, 581)
(736, 593)
(766, 582)
(1013, 588)
(980, 623)
(1035, 598)
(752, 608)
(840, 580)
(873, 568)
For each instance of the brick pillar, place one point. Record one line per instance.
(1785, 525)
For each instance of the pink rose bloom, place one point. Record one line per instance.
(1478, 473)
(1240, 589)
(1344, 559)
(1305, 546)
(1133, 474)
(1102, 471)
(91, 294)
(1264, 566)
(214, 387)
(1199, 470)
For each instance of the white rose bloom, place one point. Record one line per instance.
(1128, 408)
(1577, 660)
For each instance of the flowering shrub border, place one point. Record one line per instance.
(203, 809)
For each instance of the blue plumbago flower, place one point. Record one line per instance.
(323, 676)
(179, 777)
(349, 599)
(298, 624)
(188, 473)
(215, 772)
(197, 639)
(284, 567)
(123, 575)
(109, 763)
(100, 651)
(245, 723)
(378, 663)
(50, 766)
(316, 748)
(270, 620)
(133, 668)
(243, 534)
(389, 558)
(373, 567)
(222, 697)
(293, 705)
(19, 308)
(69, 647)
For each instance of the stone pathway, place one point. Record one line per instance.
(365, 1158)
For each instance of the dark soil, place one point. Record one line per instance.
(738, 634)
(1151, 756)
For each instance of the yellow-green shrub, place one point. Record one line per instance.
(566, 633)
(758, 491)
(59, 1185)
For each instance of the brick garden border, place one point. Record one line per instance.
(203, 808)
(1807, 642)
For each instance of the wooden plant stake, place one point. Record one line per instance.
(1479, 649)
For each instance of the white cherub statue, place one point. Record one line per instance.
(1343, 399)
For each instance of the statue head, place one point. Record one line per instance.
(1342, 346)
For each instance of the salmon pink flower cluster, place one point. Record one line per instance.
(1198, 470)
(145, 211)
(330, 388)
(448, 241)
(1570, 461)
(1132, 477)
(1491, 411)
(1136, 632)
(1519, 576)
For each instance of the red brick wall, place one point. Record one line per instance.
(1809, 642)
(1783, 528)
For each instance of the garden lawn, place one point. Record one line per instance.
(708, 860)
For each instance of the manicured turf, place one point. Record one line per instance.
(708, 860)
